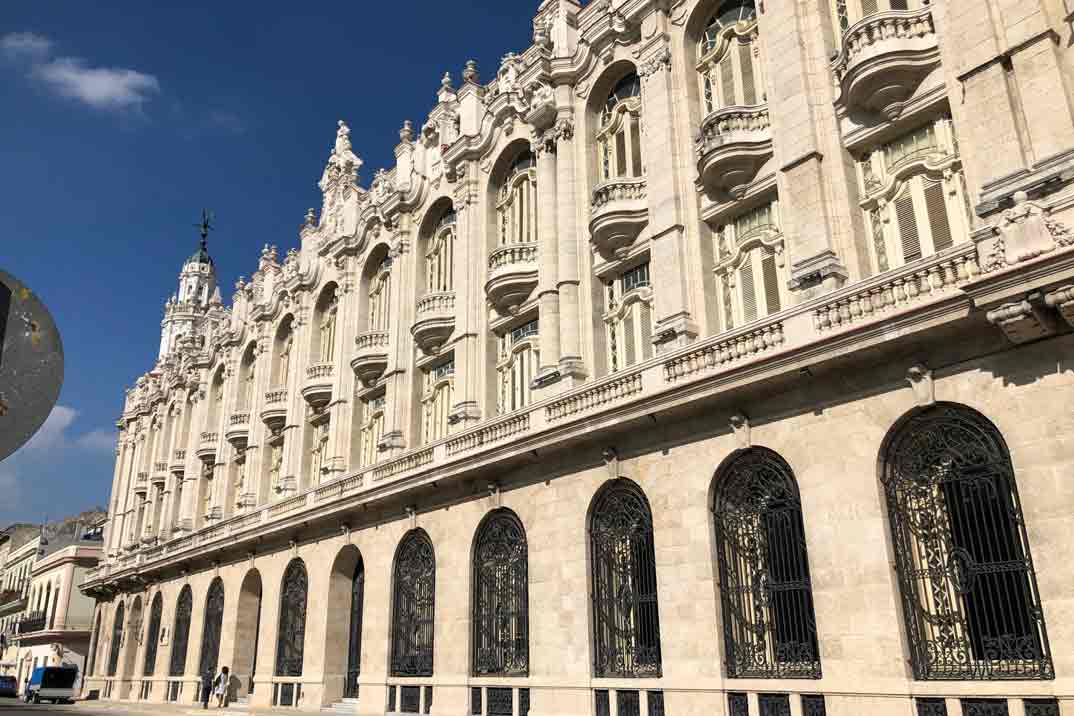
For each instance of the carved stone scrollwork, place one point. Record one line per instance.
(920, 379)
(1025, 231)
(1023, 320)
(659, 60)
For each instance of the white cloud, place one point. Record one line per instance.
(99, 87)
(97, 439)
(51, 434)
(21, 45)
(106, 88)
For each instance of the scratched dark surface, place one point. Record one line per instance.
(31, 365)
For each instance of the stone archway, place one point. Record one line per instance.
(342, 656)
(244, 666)
(132, 639)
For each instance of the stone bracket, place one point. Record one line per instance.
(817, 269)
(1024, 320)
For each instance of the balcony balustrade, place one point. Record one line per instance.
(732, 145)
(274, 411)
(238, 428)
(207, 445)
(371, 355)
(883, 59)
(178, 460)
(434, 320)
(618, 212)
(141, 482)
(512, 276)
(318, 388)
(33, 621)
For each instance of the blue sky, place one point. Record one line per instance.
(122, 120)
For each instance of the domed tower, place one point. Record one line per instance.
(185, 311)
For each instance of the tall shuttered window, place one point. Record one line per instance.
(517, 366)
(750, 269)
(438, 394)
(628, 317)
(619, 134)
(913, 195)
(728, 58)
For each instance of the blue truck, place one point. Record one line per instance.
(52, 683)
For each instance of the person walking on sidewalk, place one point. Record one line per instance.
(206, 688)
(221, 688)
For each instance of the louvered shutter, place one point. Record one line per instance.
(646, 318)
(727, 79)
(908, 234)
(868, 7)
(746, 289)
(771, 281)
(628, 337)
(939, 224)
(749, 85)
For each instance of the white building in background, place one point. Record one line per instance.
(709, 358)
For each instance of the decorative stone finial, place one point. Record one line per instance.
(311, 217)
(445, 82)
(470, 73)
(240, 283)
(406, 134)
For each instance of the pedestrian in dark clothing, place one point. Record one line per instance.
(206, 688)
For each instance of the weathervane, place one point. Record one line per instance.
(205, 226)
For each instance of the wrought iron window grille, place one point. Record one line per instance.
(354, 642)
(391, 699)
(1041, 707)
(765, 590)
(627, 703)
(410, 699)
(501, 597)
(290, 644)
(969, 592)
(602, 704)
(428, 699)
(813, 705)
(475, 701)
(738, 704)
(774, 704)
(523, 702)
(117, 640)
(152, 636)
(626, 618)
(214, 620)
(656, 703)
(413, 606)
(931, 707)
(500, 702)
(984, 707)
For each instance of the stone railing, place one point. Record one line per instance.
(276, 395)
(208, 438)
(513, 254)
(403, 464)
(242, 418)
(371, 339)
(882, 27)
(140, 478)
(731, 124)
(319, 370)
(179, 456)
(617, 190)
(916, 282)
(337, 489)
(160, 467)
(606, 393)
(287, 505)
(746, 343)
(489, 434)
(442, 302)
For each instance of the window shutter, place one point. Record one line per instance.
(628, 337)
(771, 280)
(749, 88)
(868, 7)
(646, 318)
(904, 214)
(937, 211)
(899, 5)
(620, 151)
(727, 79)
(747, 291)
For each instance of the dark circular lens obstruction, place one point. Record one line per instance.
(31, 364)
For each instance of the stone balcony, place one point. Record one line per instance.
(141, 482)
(274, 411)
(317, 390)
(732, 145)
(512, 276)
(178, 461)
(883, 59)
(618, 212)
(160, 472)
(371, 355)
(207, 445)
(434, 320)
(238, 428)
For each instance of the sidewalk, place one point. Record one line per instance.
(144, 707)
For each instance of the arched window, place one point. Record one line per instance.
(413, 606)
(501, 597)
(913, 194)
(968, 588)
(728, 61)
(117, 641)
(285, 343)
(354, 642)
(437, 398)
(380, 297)
(95, 644)
(750, 265)
(327, 308)
(619, 132)
(628, 317)
(248, 377)
(765, 593)
(181, 632)
(216, 401)
(516, 203)
(210, 631)
(517, 366)
(440, 256)
(291, 642)
(153, 636)
(626, 621)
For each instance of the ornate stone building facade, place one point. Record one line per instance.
(711, 357)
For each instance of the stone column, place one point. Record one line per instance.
(399, 372)
(569, 241)
(292, 478)
(192, 470)
(342, 405)
(113, 528)
(63, 601)
(548, 260)
(470, 262)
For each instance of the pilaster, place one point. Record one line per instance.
(548, 261)
(399, 374)
(470, 263)
(568, 240)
